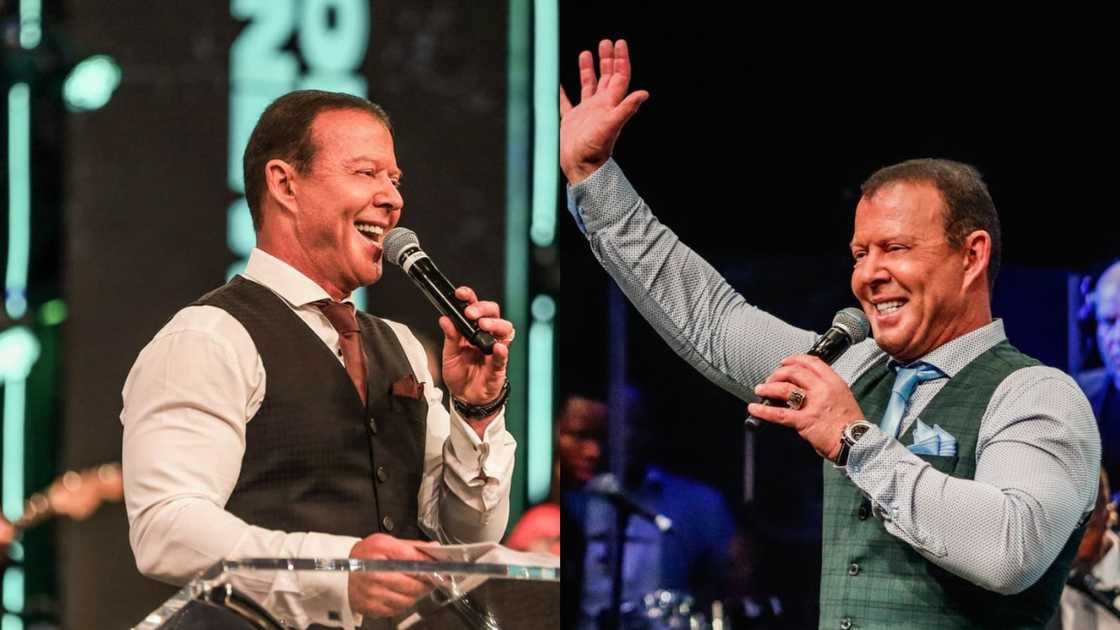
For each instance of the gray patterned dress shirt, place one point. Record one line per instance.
(1037, 453)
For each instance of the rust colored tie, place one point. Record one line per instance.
(341, 316)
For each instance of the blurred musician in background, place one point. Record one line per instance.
(661, 569)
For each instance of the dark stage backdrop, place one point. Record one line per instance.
(752, 148)
(148, 198)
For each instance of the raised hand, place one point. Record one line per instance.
(589, 129)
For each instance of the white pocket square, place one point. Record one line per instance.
(935, 441)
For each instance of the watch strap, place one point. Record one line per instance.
(478, 412)
(848, 437)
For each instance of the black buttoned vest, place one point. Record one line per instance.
(316, 459)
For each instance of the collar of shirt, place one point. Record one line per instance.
(285, 280)
(951, 357)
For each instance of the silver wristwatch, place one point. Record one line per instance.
(852, 433)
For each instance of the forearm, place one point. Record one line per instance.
(1000, 531)
(176, 540)
(178, 526)
(464, 524)
(173, 541)
(464, 496)
(700, 316)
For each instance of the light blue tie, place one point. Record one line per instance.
(904, 383)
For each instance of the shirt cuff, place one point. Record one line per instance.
(602, 199)
(480, 467)
(469, 448)
(864, 452)
(303, 598)
(887, 472)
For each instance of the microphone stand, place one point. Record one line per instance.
(622, 519)
(623, 511)
(1087, 584)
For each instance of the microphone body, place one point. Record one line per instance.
(849, 327)
(403, 248)
(607, 486)
(833, 343)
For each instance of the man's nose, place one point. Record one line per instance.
(388, 196)
(870, 271)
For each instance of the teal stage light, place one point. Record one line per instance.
(91, 83)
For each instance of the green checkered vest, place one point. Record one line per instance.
(870, 579)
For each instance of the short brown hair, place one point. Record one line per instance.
(968, 204)
(284, 132)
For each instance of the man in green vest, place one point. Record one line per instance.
(958, 471)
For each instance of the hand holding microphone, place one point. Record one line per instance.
(402, 248)
(825, 405)
(849, 327)
(476, 346)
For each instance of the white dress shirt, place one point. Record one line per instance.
(187, 401)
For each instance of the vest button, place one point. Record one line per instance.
(382, 474)
(387, 523)
(864, 510)
(373, 426)
(853, 569)
(845, 623)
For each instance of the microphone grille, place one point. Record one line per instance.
(396, 241)
(852, 321)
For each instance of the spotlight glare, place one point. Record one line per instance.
(91, 83)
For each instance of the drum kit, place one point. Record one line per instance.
(676, 610)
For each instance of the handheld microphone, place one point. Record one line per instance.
(607, 485)
(849, 327)
(402, 248)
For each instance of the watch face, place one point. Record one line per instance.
(856, 431)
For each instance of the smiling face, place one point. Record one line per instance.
(917, 291)
(345, 201)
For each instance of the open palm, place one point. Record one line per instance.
(589, 129)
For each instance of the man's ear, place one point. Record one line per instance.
(977, 252)
(279, 177)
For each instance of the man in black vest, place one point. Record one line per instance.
(957, 470)
(268, 419)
